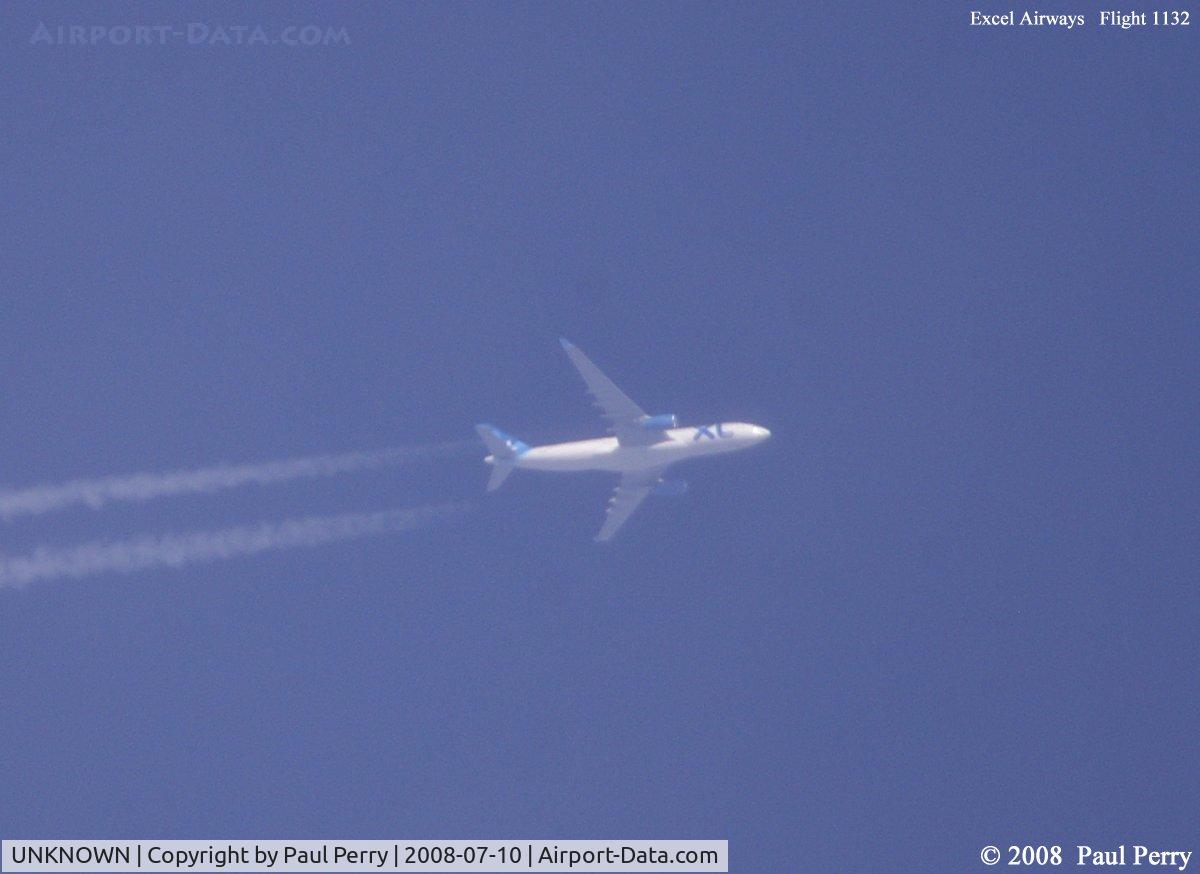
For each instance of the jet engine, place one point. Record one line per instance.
(660, 423)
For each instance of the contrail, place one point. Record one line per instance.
(177, 550)
(96, 493)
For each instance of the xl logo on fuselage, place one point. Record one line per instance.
(707, 431)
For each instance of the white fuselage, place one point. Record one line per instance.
(605, 453)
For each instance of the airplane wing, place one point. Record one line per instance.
(630, 492)
(622, 413)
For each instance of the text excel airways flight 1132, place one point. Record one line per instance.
(641, 449)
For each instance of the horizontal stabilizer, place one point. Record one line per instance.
(500, 472)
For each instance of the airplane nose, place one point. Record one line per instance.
(763, 433)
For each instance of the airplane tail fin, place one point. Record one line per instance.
(501, 445)
(504, 449)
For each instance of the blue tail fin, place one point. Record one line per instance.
(505, 451)
(501, 445)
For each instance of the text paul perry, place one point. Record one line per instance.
(1135, 854)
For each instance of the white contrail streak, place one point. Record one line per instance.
(96, 493)
(177, 550)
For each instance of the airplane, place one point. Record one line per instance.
(641, 449)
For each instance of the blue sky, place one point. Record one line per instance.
(952, 602)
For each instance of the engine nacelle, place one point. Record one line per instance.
(671, 487)
(660, 423)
